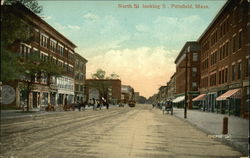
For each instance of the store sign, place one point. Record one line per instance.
(235, 85)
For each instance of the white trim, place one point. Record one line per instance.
(60, 60)
(35, 49)
(53, 40)
(26, 44)
(43, 34)
(45, 53)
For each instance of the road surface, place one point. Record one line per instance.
(139, 132)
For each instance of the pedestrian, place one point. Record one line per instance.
(79, 106)
(93, 103)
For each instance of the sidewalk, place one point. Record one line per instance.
(211, 123)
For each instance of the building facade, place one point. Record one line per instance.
(110, 89)
(225, 60)
(171, 84)
(80, 78)
(52, 47)
(187, 62)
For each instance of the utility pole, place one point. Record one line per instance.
(186, 76)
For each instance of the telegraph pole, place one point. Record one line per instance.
(186, 76)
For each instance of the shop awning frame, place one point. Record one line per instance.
(179, 99)
(199, 97)
(233, 93)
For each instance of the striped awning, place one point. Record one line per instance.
(200, 97)
(234, 93)
(178, 99)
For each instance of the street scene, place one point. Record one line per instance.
(117, 132)
(129, 79)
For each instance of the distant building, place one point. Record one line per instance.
(171, 87)
(137, 95)
(225, 61)
(110, 89)
(80, 77)
(126, 91)
(190, 53)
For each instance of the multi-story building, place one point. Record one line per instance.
(137, 96)
(171, 87)
(225, 60)
(187, 62)
(163, 93)
(53, 47)
(107, 88)
(80, 77)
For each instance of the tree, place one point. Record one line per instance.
(113, 76)
(102, 85)
(99, 74)
(13, 31)
(13, 67)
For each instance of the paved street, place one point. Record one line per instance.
(138, 132)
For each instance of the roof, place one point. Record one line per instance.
(103, 79)
(81, 57)
(215, 18)
(189, 43)
(29, 12)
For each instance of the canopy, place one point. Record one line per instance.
(233, 93)
(200, 97)
(178, 99)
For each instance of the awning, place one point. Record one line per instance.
(178, 99)
(200, 97)
(234, 93)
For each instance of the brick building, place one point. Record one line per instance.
(52, 47)
(109, 88)
(190, 53)
(171, 84)
(225, 60)
(80, 77)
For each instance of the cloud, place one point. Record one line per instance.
(143, 68)
(66, 27)
(74, 27)
(46, 17)
(91, 17)
(142, 28)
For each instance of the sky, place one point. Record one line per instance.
(138, 44)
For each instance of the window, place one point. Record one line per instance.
(81, 88)
(247, 67)
(226, 49)
(60, 49)
(24, 51)
(44, 40)
(233, 72)
(52, 45)
(222, 76)
(226, 75)
(234, 43)
(194, 71)
(240, 39)
(76, 87)
(239, 71)
(194, 85)
(219, 77)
